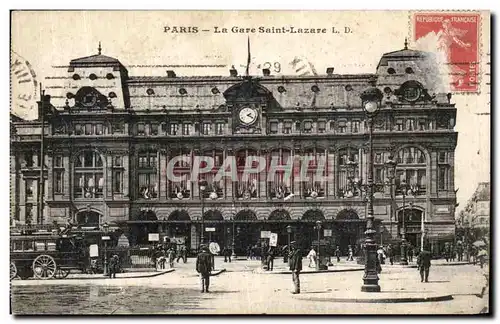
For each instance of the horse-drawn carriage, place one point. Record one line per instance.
(46, 255)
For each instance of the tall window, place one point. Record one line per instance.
(273, 127)
(219, 128)
(411, 167)
(287, 127)
(58, 174)
(186, 129)
(355, 124)
(117, 174)
(308, 126)
(173, 129)
(29, 188)
(206, 128)
(314, 184)
(400, 126)
(88, 175)
(147, 171)
(443, 171)
(410, 124)
(321, 126)
(348, 174)
(342, 126)
(246, 188)
(182, 168)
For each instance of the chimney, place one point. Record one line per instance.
(266, 72)
(329, 71)
(171, 74)
(233, 72)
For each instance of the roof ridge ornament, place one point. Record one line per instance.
(99, 49)
(406, 43)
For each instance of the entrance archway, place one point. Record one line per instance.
(247, 232)
(348, 231)
(306, 233)
(278, 223)
(413, 223)
(212, 219)
(179, 225)
(140, 232)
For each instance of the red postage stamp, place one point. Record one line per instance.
(456, 39)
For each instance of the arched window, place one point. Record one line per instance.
(215, 189)
(88, 175)
(411, 168)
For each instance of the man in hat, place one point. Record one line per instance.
(424, 264)
(204, 267)
(295, 261)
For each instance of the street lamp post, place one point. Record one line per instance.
(390, 166)
(203, 187)
(105, 226)
(233, 255)
(289, 232)
(371, 99)
(404, 260)
(318, 227)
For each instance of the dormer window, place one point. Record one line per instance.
(92, 76)
(110, 76)
(391, 71)
(76, 76)
(150, 92)
(409, 70)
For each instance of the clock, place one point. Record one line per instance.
(89, 100)
(248, 115)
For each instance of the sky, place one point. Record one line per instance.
(47, 39)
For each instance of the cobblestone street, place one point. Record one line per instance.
(244, 289)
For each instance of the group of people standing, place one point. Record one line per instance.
(164, 253)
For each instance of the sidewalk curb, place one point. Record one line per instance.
(217, 272)
(310, 272)
(386, 300)
(149, 275)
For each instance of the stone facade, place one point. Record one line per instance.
(110, 137)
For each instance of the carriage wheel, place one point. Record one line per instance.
(44, 267)
(61, 273)
(13, 270)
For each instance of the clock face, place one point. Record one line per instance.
(248, 116)
(89, 100)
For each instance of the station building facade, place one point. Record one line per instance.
(109, 138)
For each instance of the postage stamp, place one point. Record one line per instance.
(456, 39)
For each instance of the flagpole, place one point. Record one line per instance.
(248, 56)
(42, 156)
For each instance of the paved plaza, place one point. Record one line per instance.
(245, 289)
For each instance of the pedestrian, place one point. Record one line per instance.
(295, 262)
(270, 258)
(227, 254)
(312, 257)
(249, 252)
(424, 264)
(204, 267)
(285, 253)
(350, 254)
(338, 253)
(380, 254)
(410, 254)
(113, 266)
(179, 253)
(481, 256)
(171, 256)
(390, 254)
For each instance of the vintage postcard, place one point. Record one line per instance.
(250, 162)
